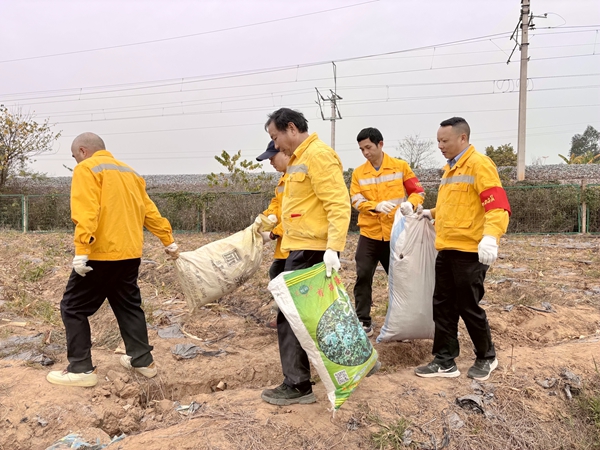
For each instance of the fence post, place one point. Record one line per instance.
(583, 208)
(203, 218)
(25, 212)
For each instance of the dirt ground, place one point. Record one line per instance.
(213, 400)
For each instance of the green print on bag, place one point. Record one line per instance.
(340, 336)
(321, 315)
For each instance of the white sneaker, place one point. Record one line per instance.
(66, 378)
(149, 371)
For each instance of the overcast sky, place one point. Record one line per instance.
(170, 84)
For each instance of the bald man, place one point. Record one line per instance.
(110, 208)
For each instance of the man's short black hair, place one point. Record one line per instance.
(282, 118)
(459, 124)
(373, 134)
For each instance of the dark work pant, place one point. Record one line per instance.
(368, 253)
(117, 282)
(276, 268)
(294, 361)
(459, 280)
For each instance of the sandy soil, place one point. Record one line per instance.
(533, 348)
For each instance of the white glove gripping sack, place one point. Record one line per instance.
(411, 280)
(218, 268)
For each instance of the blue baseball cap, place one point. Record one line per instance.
(269, 152)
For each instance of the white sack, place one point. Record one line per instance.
(218, 268)
(411, 280)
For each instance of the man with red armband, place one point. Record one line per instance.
(471, 215)
(380, 188)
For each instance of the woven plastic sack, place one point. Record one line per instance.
(323, 319)
(218, 268)
(411, 280)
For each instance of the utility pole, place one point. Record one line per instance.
(525, 23)
(523, 90)
(335, 112)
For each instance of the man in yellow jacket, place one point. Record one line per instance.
(315, 217)
(378, 188)
(110, 208)
(471, 214)
(279, 161)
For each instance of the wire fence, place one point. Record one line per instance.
(535, 209)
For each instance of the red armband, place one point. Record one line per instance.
(495, 198)
(413, 186)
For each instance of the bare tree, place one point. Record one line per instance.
(21, 138)
(418, 153)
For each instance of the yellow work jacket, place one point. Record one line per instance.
(316, 205)
(394, 182)
(275, 208)
(471, 203)
(110, 207)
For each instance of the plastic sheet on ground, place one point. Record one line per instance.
(75, 441)
(189, 351)
(170, 332)
(32, 357)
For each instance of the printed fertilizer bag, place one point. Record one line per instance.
(323, 319)
(218, 268)
(411, 280)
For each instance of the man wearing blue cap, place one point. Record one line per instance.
(279, 161)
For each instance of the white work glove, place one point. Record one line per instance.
(385, 207)
(424, 213)
(487, 250)
(79, 265)
(331, 260)
(272, 218)
(173, 251)
(406, 208)
(266, 236)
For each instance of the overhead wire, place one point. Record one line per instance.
(186, 36)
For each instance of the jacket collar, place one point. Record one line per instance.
(385, 162)
(462, 161)
(302, 147)
(102, 153)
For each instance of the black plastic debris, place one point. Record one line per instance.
(471, 402)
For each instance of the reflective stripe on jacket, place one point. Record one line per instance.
(110, 207)
(392, 182)
(275, 208)
(471, 203)
(316, 205)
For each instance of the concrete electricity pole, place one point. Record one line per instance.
(335, 112)
(525, 23)
(523, 90)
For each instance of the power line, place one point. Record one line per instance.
(226, 75)
(353, 144)
(299, 105)
(230, 99)
(153, 41)
(221, 76)
(282, 82)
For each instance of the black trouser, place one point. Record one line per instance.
(117, 282)
(276, 268)
(368, 253)
(294, 361)
(459, 280)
